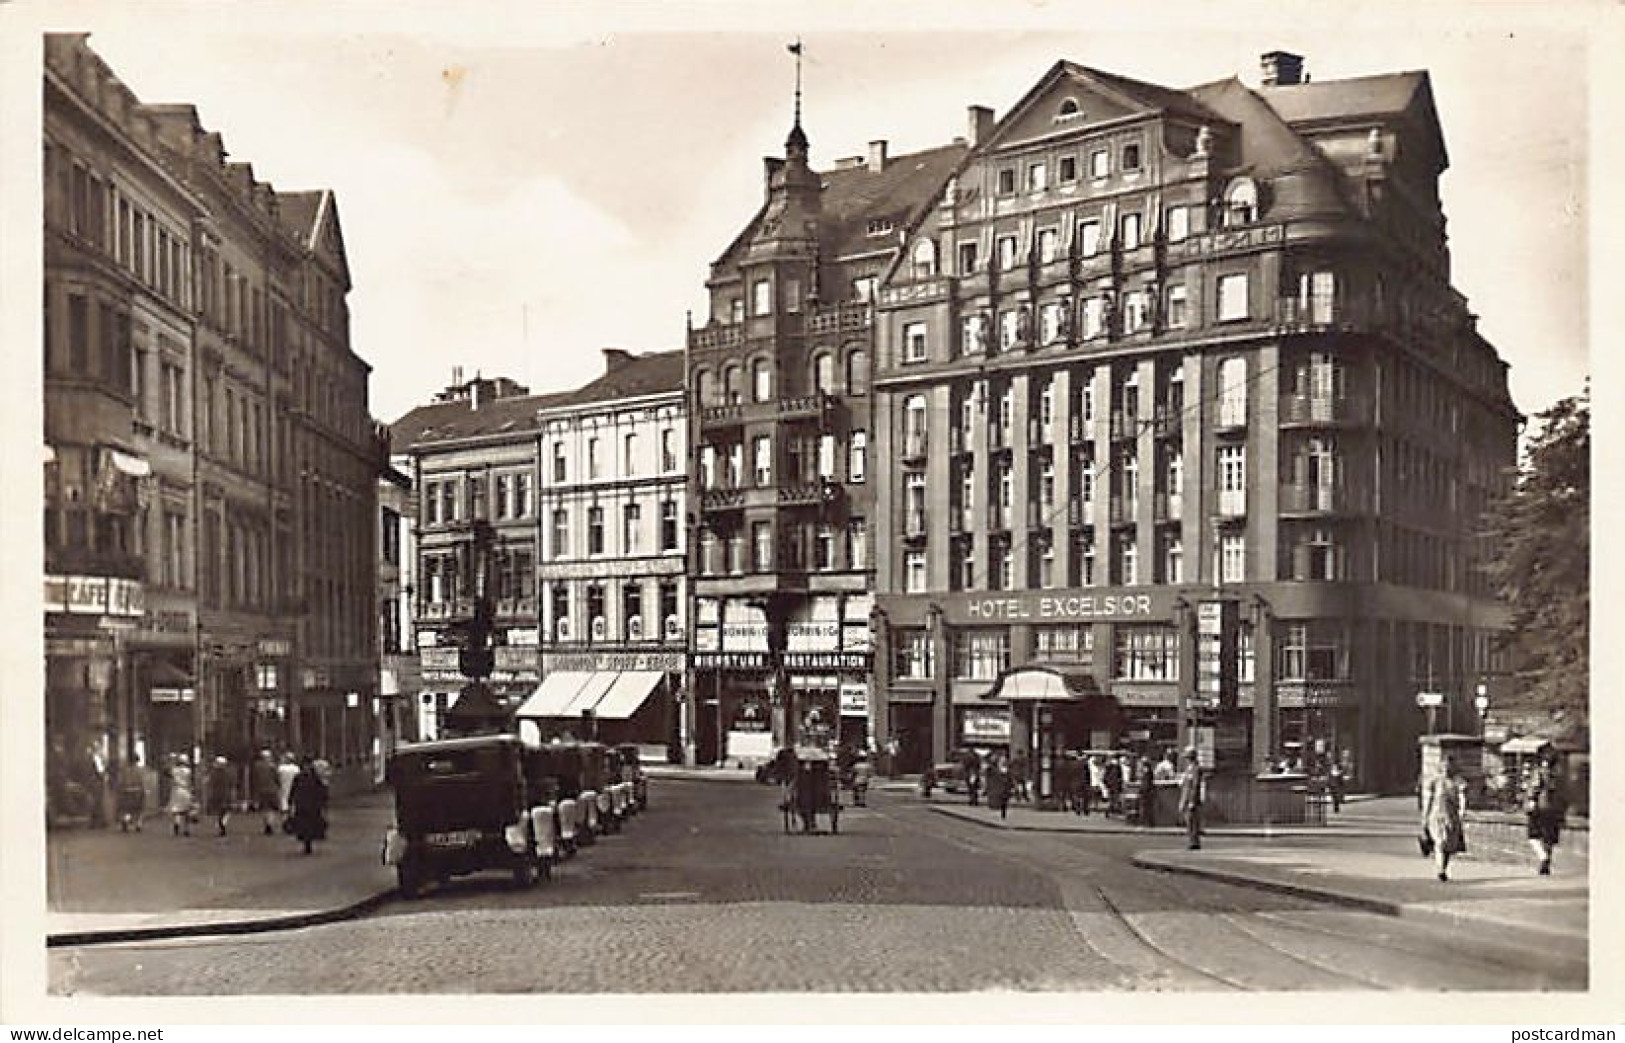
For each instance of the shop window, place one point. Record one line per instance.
(1073, 642)
(912, 658)
(1146, 653)
(981, 655)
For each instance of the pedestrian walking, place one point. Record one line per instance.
(1192, 794)
(1148, 793)
(1021, 770)
(1444, 799)
(999, 785)
(1334, 784)
(181, 806)
(286, 772)
(131, 793)
(1112, 774)
(265, 790)
(218, 792)
(1544, 806)
(1166, 770)
(307, 806)
(1097, 777)
(971, 766)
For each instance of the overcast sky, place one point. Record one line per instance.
(517, 191)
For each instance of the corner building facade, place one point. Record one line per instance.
(780, 480)
(1149, 349)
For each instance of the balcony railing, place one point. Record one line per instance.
(717, 336)
(722, 499)
(1169, 422)
(801, 407)
(1080, 513)
(1000, 518)
(999, 436)
(1232, 503)
(722, 416)
(1125, 425)
(1315, 312)
(1081, 430)
(807, 493)
(1125, 510)
(914, 523)
(1040, 433)
(1169, 506)
(1318, 499)
(839, 318)
(1320, 409)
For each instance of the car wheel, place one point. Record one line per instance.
(524, 873)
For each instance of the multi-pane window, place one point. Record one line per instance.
(1316, 651)
(599, 626)
(670, 620)
(560, 469)
(1146, 653)
(1046, 563)
(914, 501)
(762, 547)
(1091, 321)
(521, 495)
(1175, 314)
(1006, 246)
(1037, 177)
(1319, 556)
(824, 547)
(1070, 642)
(631, 524)
(1179, 223)
(981, 655)
(912, 658)
(857, 455)
(1173, 557)
(1049, 240)
(1232, 558)
(761, 297)
(762, 458)
(632, 610)
(1004, 565)
(924, 259)
(449, 506)
(1089, 238)
(593, 459)
(967, 257)
(1232, 480)
(1088, 575)
(668, 449)
(1069, 169)
(1009, 329)
(561, 611)
(1233, 297)
(914, 342)
(761, 380)
(826, 456)
(595, 530)
(914, 576)
(1233, 392)
(1006, 181)
(1128, 559)
(708, 467)
(1131, 156)
(668, 525)
(1099, 164)
(1131, 231)
(857, 544)
(431, 503)
(629, 455)
(1136, 311)
(823, 372)
(504, 497)
(1050, 321)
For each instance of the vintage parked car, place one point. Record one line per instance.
(461, 806)
(632, 772)
(948, 775)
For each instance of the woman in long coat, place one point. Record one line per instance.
(1545, 807)
(1443, 803)
(307, 811)
(181, 804)
(999, 785)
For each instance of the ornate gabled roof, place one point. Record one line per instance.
(898, 193)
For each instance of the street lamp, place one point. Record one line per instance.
(1482, 702)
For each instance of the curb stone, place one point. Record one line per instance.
(260, 925)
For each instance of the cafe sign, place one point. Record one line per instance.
(95, 595)
(588, 662)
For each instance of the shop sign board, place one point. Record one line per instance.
(524, 637)
(1058, 606)
(515, 658)
(822, 636)
(587, 662)
(275, 648)
(95, 596)
(986, 725)
(854, 699)
(744, 637)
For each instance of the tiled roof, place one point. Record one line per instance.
(647, 374)
(1268, 145)
(1151, 95)
(855, 196)
(1385, 95)
(298, 213)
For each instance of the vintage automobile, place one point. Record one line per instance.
(564, 763)
(948, 775)
(811, 790)
(461, 806)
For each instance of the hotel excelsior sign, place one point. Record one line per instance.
(1086, 605)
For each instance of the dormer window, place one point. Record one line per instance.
(1068, 111)
(925, 259)
(1241, 203)
(881, 226)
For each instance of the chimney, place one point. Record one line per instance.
(981, 124)
(456, 376)
(474, 394)
(1282, 69)
(615, 358)
(877, 156)
(771, 165)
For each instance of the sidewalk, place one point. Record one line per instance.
(103, 885)
(1392, 878)
(1023, 818)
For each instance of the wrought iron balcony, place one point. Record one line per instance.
(1311, 410)
(1319, 499)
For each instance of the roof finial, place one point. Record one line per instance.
(795, 49)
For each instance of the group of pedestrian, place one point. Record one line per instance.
(289, 794)
(1444, 807)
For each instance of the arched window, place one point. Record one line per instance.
(702, 388)
(1241, 203)
(730, 385)
(914, 425)
(761, 380)
(823, 372)
(925, 259)
(857, 372)
(1069, 110)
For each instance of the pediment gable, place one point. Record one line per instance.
(1072, 96)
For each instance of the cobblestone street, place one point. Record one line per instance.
(705, 893)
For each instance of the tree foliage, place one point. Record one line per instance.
(1539, 543)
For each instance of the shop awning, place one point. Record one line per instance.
(587, 697)
(556, 692)
(1047, 682)
(133, 466)
(629, 692)
(1525, 744)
